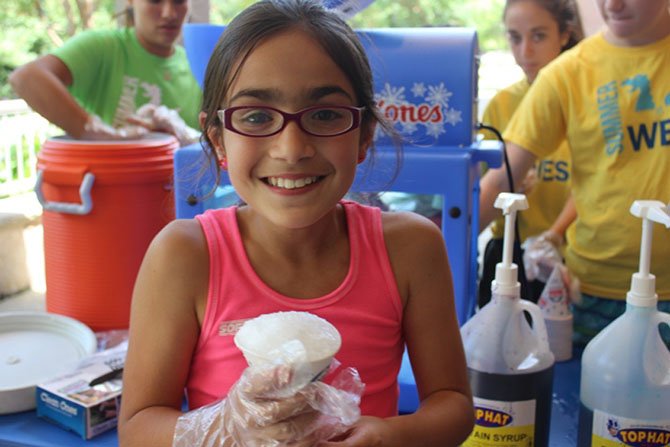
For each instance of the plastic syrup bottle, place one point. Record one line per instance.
(625, 385)
(510, 364)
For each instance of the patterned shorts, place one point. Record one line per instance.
(594, 313)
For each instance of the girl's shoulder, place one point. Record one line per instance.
(181, 240)
(408, 233)
(186, 229)
(516, 89)
(502, 105)
(175, 269)
(416, 251)
(405, 233)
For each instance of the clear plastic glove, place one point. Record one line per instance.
(164, 119)
(541, 257)
(96, 129)
(270, 406)
(541, 254)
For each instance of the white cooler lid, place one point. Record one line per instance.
(36, 347)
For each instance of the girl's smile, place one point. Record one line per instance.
(291, 182)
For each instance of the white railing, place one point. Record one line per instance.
(22, 133)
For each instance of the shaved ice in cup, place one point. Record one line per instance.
(302, 339)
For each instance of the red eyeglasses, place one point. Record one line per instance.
(265, 121)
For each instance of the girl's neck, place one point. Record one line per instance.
(303, 263)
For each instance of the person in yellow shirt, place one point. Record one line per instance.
(538, 31)
(610, 98)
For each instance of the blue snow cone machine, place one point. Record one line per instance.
(426, 84)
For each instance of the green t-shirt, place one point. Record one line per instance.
(113, 75)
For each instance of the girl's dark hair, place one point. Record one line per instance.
(270, 17)
(566, 15)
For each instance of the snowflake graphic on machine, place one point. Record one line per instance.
(428, 113)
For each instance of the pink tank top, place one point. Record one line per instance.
(366, 309)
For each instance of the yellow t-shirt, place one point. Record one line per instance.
(552, 186)
(613, 106)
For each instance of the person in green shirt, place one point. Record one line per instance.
(118, 83)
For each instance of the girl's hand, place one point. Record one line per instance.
(261, 409)
(367, 432)
(270, 405)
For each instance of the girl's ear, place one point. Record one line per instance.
(214, 137)
(366, 141)
(565, 38)
(202, 117)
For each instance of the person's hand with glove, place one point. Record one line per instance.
(541, 254)
(164, 119)
(96, 129)
(272, 405)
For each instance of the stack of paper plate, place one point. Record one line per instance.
(34, 348)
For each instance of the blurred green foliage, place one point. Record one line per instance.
(30, 28)
(483, 15)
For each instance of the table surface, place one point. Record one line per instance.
(26, 429)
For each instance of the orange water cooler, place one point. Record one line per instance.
(103, 204)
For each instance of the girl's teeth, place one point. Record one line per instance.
(288, 183)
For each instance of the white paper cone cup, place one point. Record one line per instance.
(559, 331)
(300, 338)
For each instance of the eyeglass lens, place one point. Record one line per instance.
(318, 121)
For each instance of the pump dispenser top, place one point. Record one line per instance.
(643, 284)
(507, 273)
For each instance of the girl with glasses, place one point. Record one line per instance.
(288, 111)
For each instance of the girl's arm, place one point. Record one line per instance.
(43, 84)
(168, 301)
(445, 416)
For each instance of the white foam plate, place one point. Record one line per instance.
(36, 347)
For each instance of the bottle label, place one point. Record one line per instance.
(615, 431)
(502, 424)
